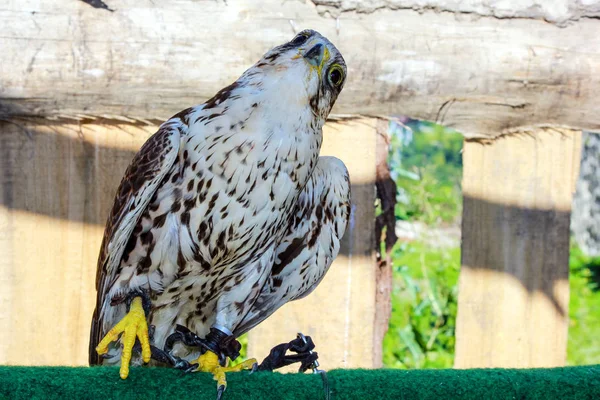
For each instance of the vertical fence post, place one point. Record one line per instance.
(514, 283)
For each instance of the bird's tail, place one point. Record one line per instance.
(95, 337)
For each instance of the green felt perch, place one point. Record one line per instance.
(150, 383)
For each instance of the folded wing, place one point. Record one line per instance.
(311, 244)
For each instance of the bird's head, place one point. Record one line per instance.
(307, 69)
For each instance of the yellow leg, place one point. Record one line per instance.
(132, 325)
(209, 362)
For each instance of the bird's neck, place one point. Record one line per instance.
(282, 125)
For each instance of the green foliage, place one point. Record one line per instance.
(243, 352)
(421, 333)
(426, 163)
(584, 309)
(427, 166)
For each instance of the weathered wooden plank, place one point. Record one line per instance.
(57, 183)
(340, 314)
(514, 283)
(560, 12)
(482, 75)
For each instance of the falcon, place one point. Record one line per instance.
(225, 214)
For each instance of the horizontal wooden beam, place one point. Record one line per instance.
(561, 13)
(482, 75)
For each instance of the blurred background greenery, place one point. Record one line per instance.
(426, 163)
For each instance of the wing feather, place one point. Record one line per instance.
(312, 243)
(141, 180)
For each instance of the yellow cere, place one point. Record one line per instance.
(319, 69)
(326, 57)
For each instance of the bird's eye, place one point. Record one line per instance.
(336, 75)
(298, 40)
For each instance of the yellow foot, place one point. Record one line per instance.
(209, 362)
(133, 324)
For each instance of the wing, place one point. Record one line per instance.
(311, 244)
(141, 180)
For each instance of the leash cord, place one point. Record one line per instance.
(326, 388)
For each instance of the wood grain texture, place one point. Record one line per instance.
(560, 12)
(514, 282)
(57, 183)
(482, 75)
(340, 314)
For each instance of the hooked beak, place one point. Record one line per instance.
(317, 56)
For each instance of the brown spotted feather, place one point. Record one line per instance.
(228, 211)
(139, 182)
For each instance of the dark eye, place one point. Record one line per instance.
(336, 75)
(298, 40)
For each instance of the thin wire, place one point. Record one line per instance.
(326, 388)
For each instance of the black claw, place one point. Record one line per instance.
(174, 361)
(220, 391)
(216, 341)
(254, 368)
(161, 356)
(191, 368)
(182, 364)
(107, 356)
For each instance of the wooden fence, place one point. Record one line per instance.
(82, 87)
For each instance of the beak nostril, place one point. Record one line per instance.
(315, 54)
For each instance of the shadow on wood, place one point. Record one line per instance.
(514, 286)
(514, 282)
(528, 245)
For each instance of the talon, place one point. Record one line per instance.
(254, 368)
(220, 391)
(192, 368)
(131, 326)
(209, 362)
(219, 376)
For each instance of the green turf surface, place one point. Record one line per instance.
(150, 383)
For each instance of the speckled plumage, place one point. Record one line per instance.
(228, 212)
